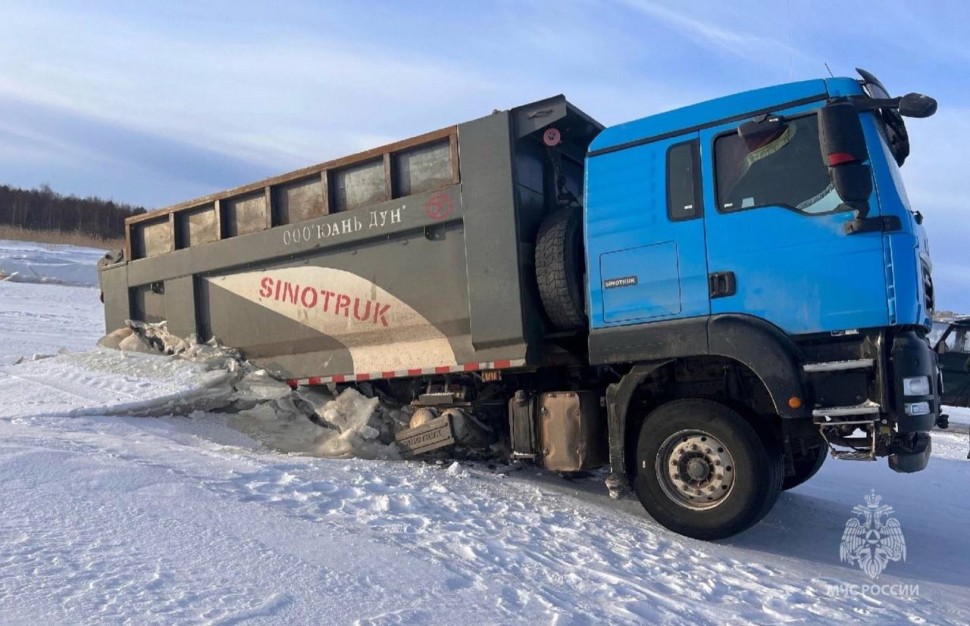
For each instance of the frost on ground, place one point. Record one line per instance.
(188, 520)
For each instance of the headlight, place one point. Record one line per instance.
(916, 386)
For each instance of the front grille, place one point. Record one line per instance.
(928, 289)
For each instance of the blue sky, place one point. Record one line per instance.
(153, 103)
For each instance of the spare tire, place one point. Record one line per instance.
(559, 268)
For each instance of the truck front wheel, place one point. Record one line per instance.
(703, 471)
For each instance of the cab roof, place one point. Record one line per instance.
(738, 107)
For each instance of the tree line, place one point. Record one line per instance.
(44, 209)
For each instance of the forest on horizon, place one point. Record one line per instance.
(43, 209)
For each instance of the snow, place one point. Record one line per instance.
(48, 263)
(199, 518)
(958, 415)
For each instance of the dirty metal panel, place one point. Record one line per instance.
(117, 305)
(377, 308)
(275, 341)
(246, 214)
(522, 427)
(148, 305)
(180, 306)
(359, 185)
(154, 238)
(198, 226)
(571, 431)
(299, 200)
(498, 267)
(423, 168)
(429, 436)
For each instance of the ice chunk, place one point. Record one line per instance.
(350, 411)
(259, 385)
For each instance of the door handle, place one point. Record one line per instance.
(722, 284)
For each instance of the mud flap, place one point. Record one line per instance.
(911, 453)
(433, 434)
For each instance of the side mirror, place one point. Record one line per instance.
(844, 151)
(916, 105)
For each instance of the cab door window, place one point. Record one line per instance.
(781, 169)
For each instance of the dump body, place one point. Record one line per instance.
(413, 257)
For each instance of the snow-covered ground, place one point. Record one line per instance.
(22, 261)
(109, 518)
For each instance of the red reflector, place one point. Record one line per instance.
(838, 158)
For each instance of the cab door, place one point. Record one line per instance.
(776, 244)
(645, 234)
(954, 362)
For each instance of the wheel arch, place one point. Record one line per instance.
(753, 344)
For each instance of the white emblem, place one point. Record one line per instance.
(872, 539)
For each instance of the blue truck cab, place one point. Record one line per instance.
(760, 248)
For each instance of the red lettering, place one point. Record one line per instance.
(343, 302)
(312, 300)
(380, 310)
(361, 317)
(291, 292)
(363, 309)
(266, 287)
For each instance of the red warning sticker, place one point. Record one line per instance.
(551, 137)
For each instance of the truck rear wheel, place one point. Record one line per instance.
(703, 471)
(559, 268)
(806, 467)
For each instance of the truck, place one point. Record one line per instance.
(704, 302)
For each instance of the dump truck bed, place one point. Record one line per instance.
(413, 258)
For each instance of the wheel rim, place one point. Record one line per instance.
(695, 469)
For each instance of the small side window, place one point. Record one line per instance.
(684, 200)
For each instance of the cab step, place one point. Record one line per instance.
(837, 366)
(866, 408)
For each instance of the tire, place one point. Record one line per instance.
(677, 435)
(559, 268)
(806, 467)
